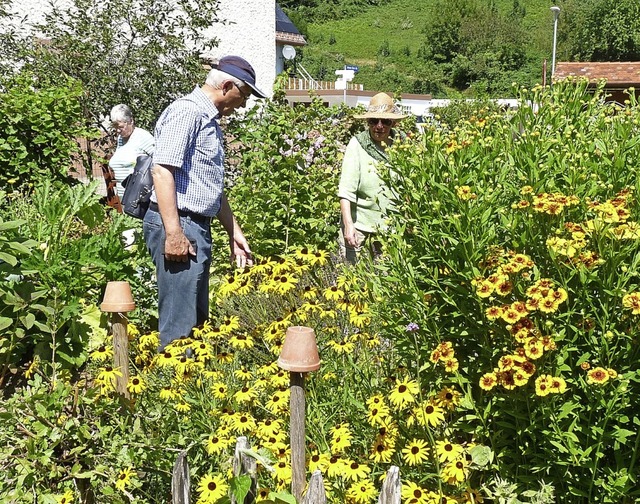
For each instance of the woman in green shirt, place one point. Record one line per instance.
(364, 198)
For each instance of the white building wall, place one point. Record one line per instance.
(249, 31)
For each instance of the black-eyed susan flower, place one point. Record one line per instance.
(102, 353)
(245, 395)
(319, 257)
(318, 462)
(446, 451)
(336, 466)
(241, 341)
(106, 377)
(136, 384)
(448, 398)
(404, 393)
(282, 472)
(217, 443)
(428, 414)
(211, 488)
(224, 357)
(124, 478)
(456, 471)
(413, 493)
(543, 385)
(341, 437)
(355, 471)
(278, 402)
(263, 494)
(66, 498)
(243, 422)
(343, 346)
(333, 293)
(415, 452)
(361, 492)
(182, 406)
(230, 324)
(382, 450)
(377, 414)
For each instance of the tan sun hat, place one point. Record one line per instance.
(381, 106)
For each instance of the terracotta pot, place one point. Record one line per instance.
(299, 352)
(117, 298)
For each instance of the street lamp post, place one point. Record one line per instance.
(556, 12)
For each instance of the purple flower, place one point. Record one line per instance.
(412, 327)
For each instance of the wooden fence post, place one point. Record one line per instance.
(180, 480)
(316, 493)
(391, 488)
(118, 301)
(243, 464)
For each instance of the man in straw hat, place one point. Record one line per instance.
(364, 198)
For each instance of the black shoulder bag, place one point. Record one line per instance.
(138, 187)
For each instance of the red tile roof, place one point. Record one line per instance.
(617, 74)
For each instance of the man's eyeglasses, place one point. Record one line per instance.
(385, 122)
(245, 96)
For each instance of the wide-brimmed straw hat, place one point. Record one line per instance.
(381, 106)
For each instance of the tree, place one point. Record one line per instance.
(140, 52)
(602, 30)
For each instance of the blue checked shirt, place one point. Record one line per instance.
(188, 137)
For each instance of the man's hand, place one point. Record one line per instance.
(177, 247)
(350, 235)
(240, 252)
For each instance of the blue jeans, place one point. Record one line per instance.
(183, 287)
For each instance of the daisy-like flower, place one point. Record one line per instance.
(320, 258)
(219, 390)
(183, 406)
(404, 393)
(229, 285)
(597, 376)
(447, 451)
(488, 381)
(103, 352)
(263, 494)
(340, 438)
(168, 393)
(243, 422)
(211, 488)
(166, 358)
(245, 394)
(456, 471)
(318, 462)
(106, 377)
(35, 364)
(336, 466)
(354, 471)
(362, 492)
(230, 324)
(557, 385)
(414, 494)
(472, 496)
(377, 414)
(543, 385)
(136, 384)
(278, 402)
(241, 341)
(415, 452)
(382, 450)
(343, 346)
(217, 443)
(451, 365)
(65, 498)
(448, 398)
(333, 293)
(428, 414)
(280, 379)
(285, 282)
(243, 374)
(484, 289)
(124, 478)
(493, 312)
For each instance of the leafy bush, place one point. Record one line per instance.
(516, 238)
(39, 126)
(284, 188)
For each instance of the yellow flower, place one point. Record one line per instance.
(66, 498)
(136, 384)
(598, 376)
(415, 452)
(404, 393)
(212, 488)
(124, 478)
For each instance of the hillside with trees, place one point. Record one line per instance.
(459, 47)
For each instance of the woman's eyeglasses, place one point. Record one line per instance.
(385, 122)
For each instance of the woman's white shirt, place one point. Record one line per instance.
(124, 158)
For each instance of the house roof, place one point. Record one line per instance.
(286, 31)
(617, 73)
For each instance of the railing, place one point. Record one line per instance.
(306, 85)
(243, 464)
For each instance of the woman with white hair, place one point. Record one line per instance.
(131, 143)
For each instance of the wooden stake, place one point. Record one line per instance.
(120, 352)
(297, 407)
